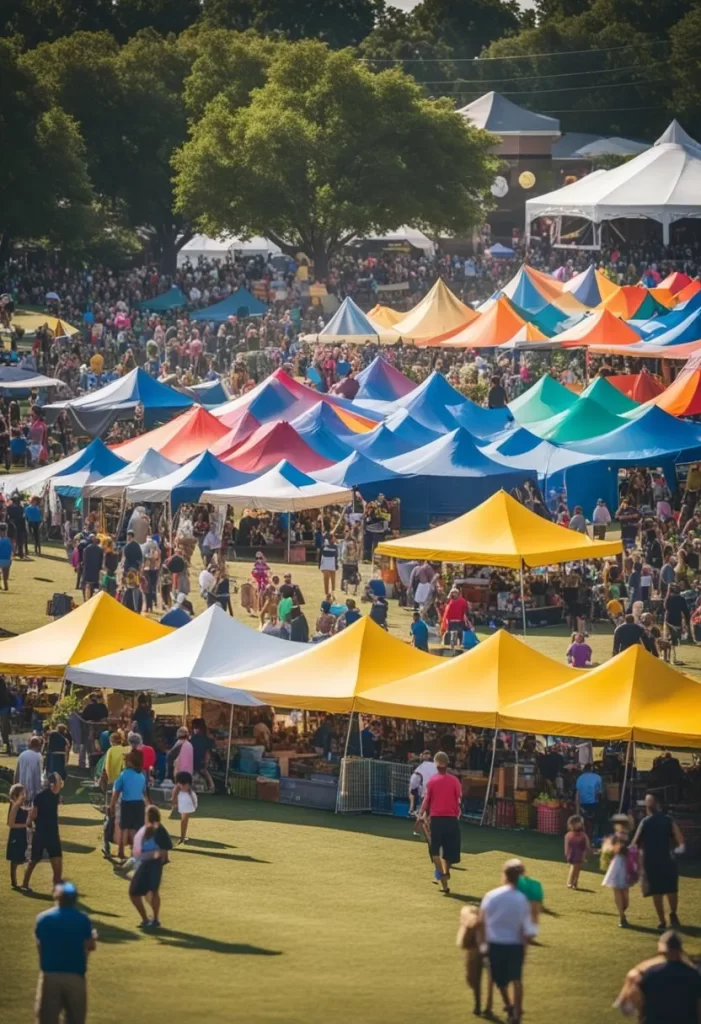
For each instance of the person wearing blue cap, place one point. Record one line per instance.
(65, 936)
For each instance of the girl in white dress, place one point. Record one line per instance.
(616, 857)
(185, 798)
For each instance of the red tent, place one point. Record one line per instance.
(675, 281)
(181, 439)
(247, 425)
(641, 387)
(271, 443)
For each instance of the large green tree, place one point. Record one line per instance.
(327, 151)
(685, 100)
(41, 21)
(337, 22)
(45, 190)
(398, 40)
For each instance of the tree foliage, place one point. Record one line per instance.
(337, 23)
(327, 150)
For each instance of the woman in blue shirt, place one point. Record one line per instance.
(32, 513)
(132, 786)
(5, 554)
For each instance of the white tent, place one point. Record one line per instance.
(34, 481)
(190, 660)
(151, 466)
(219, 248)
(404, 235)
(675, 133)
(662, 184)
(284, 488)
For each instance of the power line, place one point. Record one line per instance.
(602, 110)
(522, 56)
(567, 88)
(564, 74)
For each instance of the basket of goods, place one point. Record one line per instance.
(551, 815)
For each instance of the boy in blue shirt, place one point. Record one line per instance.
(5, 554)
(419, 632)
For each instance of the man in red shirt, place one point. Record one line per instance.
(455, 616)
(442, 804)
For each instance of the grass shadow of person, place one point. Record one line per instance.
(80, 822)
(244, 857)
(45, 897)
(210, 844)
(112, 934)
(69, 847)
(186, 940)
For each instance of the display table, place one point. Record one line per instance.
(285, 756)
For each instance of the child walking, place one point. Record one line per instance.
(17, 836)
(619, 859)
(577, 849)
(151, 846)
(186, 799)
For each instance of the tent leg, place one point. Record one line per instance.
(341, 778)
(523, 601)
(489, 780)
(185, 706)
(625, 777)
(289, 533)
(228, 750)
(348, 736)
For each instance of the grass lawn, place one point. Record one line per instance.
(276, 914)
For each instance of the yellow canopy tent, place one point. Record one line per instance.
(384, 316)
(100, 626)
(500, 532)
(328, 675)
(632, 696)
(439, 314)
(35, 321)
(469, 689)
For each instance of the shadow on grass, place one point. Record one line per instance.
(210, 844)
(112, 934)
(80, 822)
(43, 897)
(68, 847)
(244, 857)
(186, 940)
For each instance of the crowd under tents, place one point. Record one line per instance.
(190, 434)
(185, 484)
(150, 466)
(189, 660)
(97, 627)
(95, 412)
(241, 304)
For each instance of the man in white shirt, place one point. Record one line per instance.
(424, 771)
(578, 521)
(600, 518)
(207, 581)
(507, 925)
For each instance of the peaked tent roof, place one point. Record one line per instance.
(19, 378)
(471, 689)
(544, 399)
(451, 456)
(97, 462)
(633, 695)
(585, 419)
(327, 676)
(209, 393)
(348, 323)
(609, 397)
(354, 471)
(533, 291)
(675, 282)
(683, 396)
(383, 382)
(271, 443)
(384, 316)
(633, 301)
(186, 483)
(495, 113)
(500, 532)
(600, 328)
(677, 330)
(676, 134)
(648, 435)
(379, 443)
(150, 466)
(529, 336)
(641, 387)
(180, 440)
(99, 626)
(94, 412)
(318, 429)
(246, 426)
(34, 481)
(213, 644)
(241, 304)
(282, 489)
(493, 328)
(403, 425)
(693, 288)
(439, 314)
(172, 299)
(427, 403)
(479, 421)
(590, 287)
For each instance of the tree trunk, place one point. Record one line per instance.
(321, 262)
(170, 239)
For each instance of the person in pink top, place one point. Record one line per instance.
(442, 804)
(181, 758)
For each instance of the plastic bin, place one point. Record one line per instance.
(243, 786)
(305, 793)
(400, 808)
(552, 821)
(269, 768)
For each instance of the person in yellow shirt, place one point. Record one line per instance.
(114, 758)
(615, 611)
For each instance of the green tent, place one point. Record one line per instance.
(542, 401)
(585, 419)
(609, 397)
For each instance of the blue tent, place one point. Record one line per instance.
(95, 412)
(515, 442)
(324, 431)
(587, 288)
(500, 251)
(525, 295)
(241, 304)
(348, 323)
(380, 381)
(93, 463)
(410, 431)
(174, 298)
(427, 404)
(186, 483)
(211, 393)
(447, 477)
(355, 471)
(481, 422)
(273, 402)
(649, 438)
(680, 331)
(378, 443)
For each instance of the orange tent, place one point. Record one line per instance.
(181, 439)
(683, 396)
(493, 328)
(439, 315)
(664, 295)
(675, 282)
(632, 300)
(641, 387)
(693, 288)
(601, 328)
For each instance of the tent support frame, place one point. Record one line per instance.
(490, 779)
(228, 749)
(523, 597)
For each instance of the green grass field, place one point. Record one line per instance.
(276, 914)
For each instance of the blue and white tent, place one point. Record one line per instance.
(240, 304)
(355, 471)
(324, 430)
(94, 462)
(185, 484)
(348, 323)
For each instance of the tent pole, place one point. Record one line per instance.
(523, 601)
(489, 780)
(632, 775)
(348, 736)
(185, 704)
(625, 777)
(228, 749)
(289, 534)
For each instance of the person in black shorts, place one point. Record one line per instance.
(46, 840)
